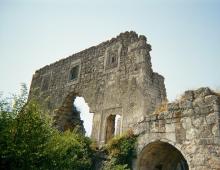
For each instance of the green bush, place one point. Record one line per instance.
(121, 151)
(69, 150)
(111, 164)
(28, 140)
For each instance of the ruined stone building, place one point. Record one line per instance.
(116, 80)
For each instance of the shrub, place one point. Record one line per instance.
(121, 151)
(112, 165)
(69, 150)
(28, 140)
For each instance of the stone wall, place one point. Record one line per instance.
(191, 125)
(114, 77)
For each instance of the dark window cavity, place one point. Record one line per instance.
(74, 73)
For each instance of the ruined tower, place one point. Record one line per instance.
(117, 81)
(115, 78)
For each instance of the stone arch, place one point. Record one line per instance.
(160, 155)
(67, 116)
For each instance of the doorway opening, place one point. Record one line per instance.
(162, 156)
(113, 126)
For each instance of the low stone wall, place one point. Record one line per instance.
(191, 124)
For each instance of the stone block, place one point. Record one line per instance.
(211, 99)
(186, 123)
(214, 162)
(197, 122)
(198, 160)
(199, 102)
(216, 108)
(202, 92)
(206, 141)
(212, 118)
(170, 128)
(191, 134)
(186, 104)
(191, 148)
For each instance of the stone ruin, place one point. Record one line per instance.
(116, 79)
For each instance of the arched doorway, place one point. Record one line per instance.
(85, 115)
(161, 156)
(74, 114)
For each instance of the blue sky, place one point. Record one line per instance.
(185, 36)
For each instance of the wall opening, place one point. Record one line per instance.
(74, 113)
(113, 126)
(74, 72)
(117, 125)
(85, 115)
(112, 58)
(161, 156)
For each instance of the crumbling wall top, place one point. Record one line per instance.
(125, 38)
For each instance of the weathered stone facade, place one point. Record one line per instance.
(191, 125)
(116, 78)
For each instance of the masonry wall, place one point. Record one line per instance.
(191, 125)
(114, 77)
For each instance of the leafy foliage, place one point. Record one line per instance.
(20, 100)
(28, 140)
(112, 164)
(69, 150)
(120, 151)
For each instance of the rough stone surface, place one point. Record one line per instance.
(116, 78)
(190, 124)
